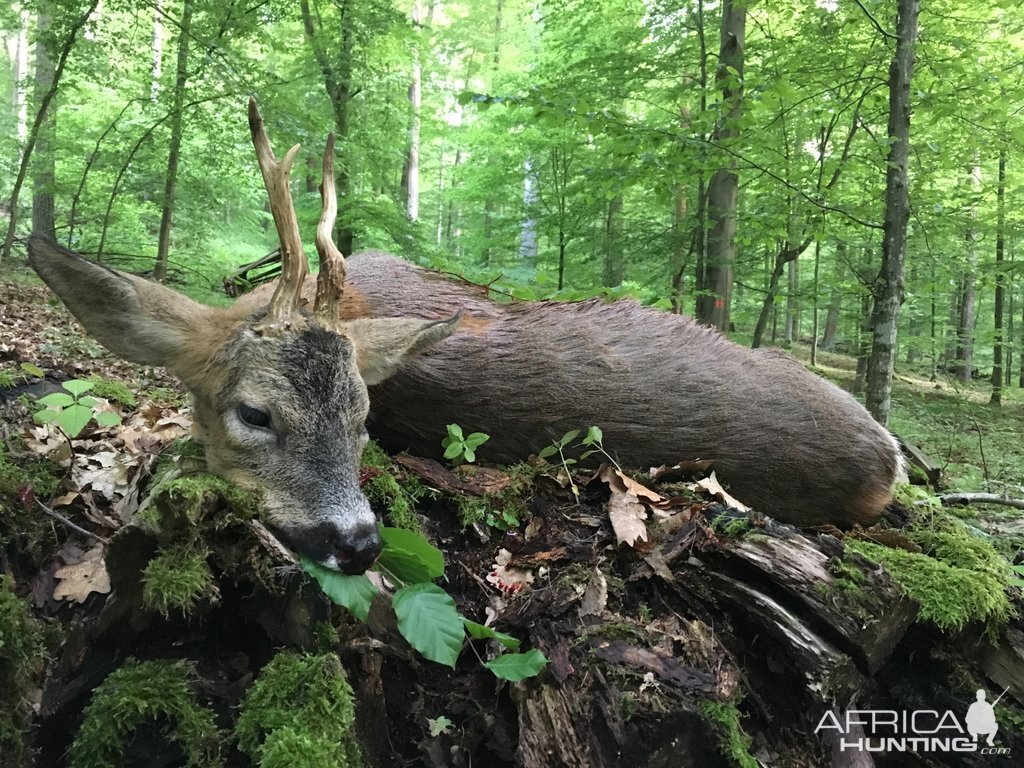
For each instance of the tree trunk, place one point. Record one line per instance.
(835, 303)
(969, 294)
(997, 349)
(724, 187)
(158, 50)
(814, 303)
(489, 205)
(614, 268)
(44, 104)
(333, 52)
(19, 95)
(44, 169)
(787, 255)
(792, 332)
(174, 152)
(888, 293)
(411, 174)
(528, 228)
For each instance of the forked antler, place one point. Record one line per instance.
(330, 283)
(287, 295)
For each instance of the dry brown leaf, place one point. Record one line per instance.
(617, 481)
(711, 485)
(683, 468)
(79, 580)
(595, 598)
(627, 515)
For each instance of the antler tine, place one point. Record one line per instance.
(330, 283)
(276, 174)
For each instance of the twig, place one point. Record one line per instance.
(979, 498)
(69, 524)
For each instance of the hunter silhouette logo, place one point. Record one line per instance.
(981, 717)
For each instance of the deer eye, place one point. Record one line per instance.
(254, 417)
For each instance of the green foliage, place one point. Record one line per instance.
(73, 410)
(735, 744)
(427, 616)
(182, 503)
(177, 578)
(383, 489)
(113, 390)
(959, 578)
(459, 447)
(299, 714)
(21, 654)
(152, 695)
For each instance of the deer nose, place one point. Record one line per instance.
(355, 550)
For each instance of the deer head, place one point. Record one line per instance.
(280, 393)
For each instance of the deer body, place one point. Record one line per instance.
(280, 382)
(661, 387)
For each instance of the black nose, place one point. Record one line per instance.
(355, 550)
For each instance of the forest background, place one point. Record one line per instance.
(721, 159)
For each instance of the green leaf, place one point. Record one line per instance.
(57, 400)
(477, 439)
(587, 454)
(439, 725)
(481, 632)
(568, 437)
(453, 451)
(73, 419)
(404, 567)
(33, 370)
(77, 386)
(427, 618)
(594, 436)
(353, 592)
(518, 666)
(469, 454)
(46, 415)
(107, 419)
(414, 543)
(454, 430)
(544, 453)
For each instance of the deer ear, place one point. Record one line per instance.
(383, 345)
(136, 319)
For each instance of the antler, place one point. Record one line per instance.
(330, 283)
(293, 259)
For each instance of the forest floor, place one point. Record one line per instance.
(108, 471)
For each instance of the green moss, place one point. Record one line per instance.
(113, 391)
(385, 491)
(184, 502)
(735, 744)
(178, 578)
(299, 714)
(152, 695)
(504, 510)
(21, 653)
(42, 475)
(959, 578)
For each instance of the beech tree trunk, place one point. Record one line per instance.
(174, 152)
(158, 50)
(969, 292)
(333, 52)
(44, 171)
(613, 267)
(888, 293)
(724, 187)
(997, 348)
(411, 175)
(30, 142)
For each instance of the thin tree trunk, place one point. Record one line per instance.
(19, 91)
(158, 50)
(997, 349)
(412, 161)
(489, 206)
(174, 152)
(26, 155)
(613, 264)
(724, 187)
(888, 293)
(44, 173)
(969, 294)
(333, 53)
(792, 332)
(786, 256)
(835, 304)
(814, 303)
(528, 228)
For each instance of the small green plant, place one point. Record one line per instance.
(460, 447)
(427, 615)
(72, 410)
(593, 441)
(1017, 580)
